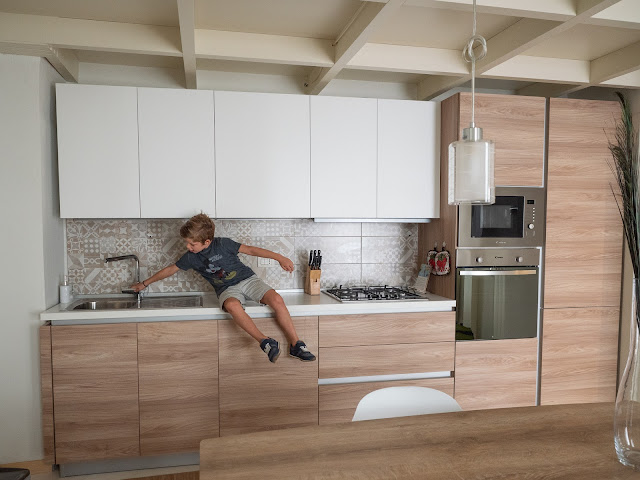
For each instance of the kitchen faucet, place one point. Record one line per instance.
(139, 294)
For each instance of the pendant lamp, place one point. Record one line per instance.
(471, 162)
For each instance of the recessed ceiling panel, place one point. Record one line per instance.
(438, 28)
(114, 58)
(585, 42)
(323, 19)
(145, 12)
(249, 67)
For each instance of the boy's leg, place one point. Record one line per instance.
(244, 321)
(274, 300)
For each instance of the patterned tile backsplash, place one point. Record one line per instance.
(352, 253)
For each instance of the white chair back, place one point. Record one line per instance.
(402, 402)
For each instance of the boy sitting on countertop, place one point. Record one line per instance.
(216, 259)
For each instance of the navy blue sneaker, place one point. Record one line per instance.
(271, 348)
(300, 350)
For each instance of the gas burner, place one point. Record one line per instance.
(372, 293)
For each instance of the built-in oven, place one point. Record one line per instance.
(497, 293)
(516, 219)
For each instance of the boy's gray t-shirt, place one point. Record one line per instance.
(218, 263)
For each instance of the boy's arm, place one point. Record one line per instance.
(284, 262)
(164, 273)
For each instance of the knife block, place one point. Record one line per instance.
(312, 282)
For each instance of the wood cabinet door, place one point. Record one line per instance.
(178, 368)
(338, 403)
(256, 394)
(386, 329)
(262, 155)
(343, 157)
(408, 159)
(583, 252)
(175, 130)
(98, 151)
(95, 392)
(516, 124)
(496, 373)
(579, 355)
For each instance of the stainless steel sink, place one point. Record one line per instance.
(185, 301)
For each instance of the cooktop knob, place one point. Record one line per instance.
(479, 259)
(531, 226)
(519, 259)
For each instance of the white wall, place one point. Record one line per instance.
(30, 240)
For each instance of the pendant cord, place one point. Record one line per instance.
(470, 57)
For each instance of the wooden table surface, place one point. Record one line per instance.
(548, 442)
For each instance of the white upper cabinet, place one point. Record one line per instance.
(262, 155)
(343, 157)
(408, 159)
(177, 170)
(98, 151)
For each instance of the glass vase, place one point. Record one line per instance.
(626, 420)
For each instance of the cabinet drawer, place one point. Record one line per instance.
(338, 402)
(338, 362)
(386, 329)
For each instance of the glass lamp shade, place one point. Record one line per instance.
(471, 166)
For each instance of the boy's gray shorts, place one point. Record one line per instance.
(250, 289)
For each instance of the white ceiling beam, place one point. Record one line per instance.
(65, 62)
(516, 39)
(406, 59)
(549, 89)
(77, 34)
(558, 10)
(252, 47)
(624, 14)
(542, 69)
(630, 80)
(352, 40)
(615, 64)
(186, 19)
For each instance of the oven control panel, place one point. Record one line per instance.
(497, 257)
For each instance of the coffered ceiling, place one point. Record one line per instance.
(543, 47)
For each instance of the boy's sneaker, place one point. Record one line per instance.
(300, 350)
(271, 348)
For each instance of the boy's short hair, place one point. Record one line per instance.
(199, 228)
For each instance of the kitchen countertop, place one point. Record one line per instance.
(298, 302)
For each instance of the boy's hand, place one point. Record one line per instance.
(138, 286)
(286, 264)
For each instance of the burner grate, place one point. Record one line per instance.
(372, 293)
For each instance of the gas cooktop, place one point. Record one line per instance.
(372, 293)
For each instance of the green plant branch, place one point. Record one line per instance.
(624, 164)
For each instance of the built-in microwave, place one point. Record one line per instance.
(516, 219)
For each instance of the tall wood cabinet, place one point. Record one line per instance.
(517, 126)
(583, 258)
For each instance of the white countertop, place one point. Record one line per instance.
(298, 302)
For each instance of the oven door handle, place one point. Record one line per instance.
(491, 273)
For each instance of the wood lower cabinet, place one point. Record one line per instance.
(381, 344)
(178, 370)
(496, 373)
(95, 391)
(579, 355)
(256, 394)
(338, 403)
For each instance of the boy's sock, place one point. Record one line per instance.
(271, 348)
(300, 350)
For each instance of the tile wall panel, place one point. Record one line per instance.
(353, 253)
